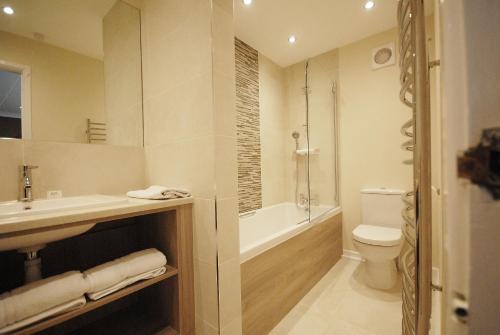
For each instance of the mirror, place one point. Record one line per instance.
(70, 71)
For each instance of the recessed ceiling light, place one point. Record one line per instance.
(8, 10)
(292, 39)
(369, 5)
(247, 2)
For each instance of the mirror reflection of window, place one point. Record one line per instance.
(10, 104)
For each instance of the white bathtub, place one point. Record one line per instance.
(270, 226)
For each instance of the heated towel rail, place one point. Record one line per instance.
(417, 253)
(96, 132)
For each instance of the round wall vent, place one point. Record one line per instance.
(383, 56)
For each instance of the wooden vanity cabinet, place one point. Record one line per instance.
(162, 305)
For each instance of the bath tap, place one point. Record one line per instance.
(26, 186)
(304, 201)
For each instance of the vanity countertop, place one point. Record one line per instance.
(130, 207)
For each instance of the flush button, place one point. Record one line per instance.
(481, 164)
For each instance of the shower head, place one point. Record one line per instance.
(296, 135)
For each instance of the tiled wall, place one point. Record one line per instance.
(178, 127)
(282, 111)
(322, 72)
(190, 140)
(72, 168)
(122, 75)
(274, 134)
(248, 127)
(226, 172)
(370, 118)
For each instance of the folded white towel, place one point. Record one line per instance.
(59, 309)
(156, 192)
(40, 296)
(129, 281)
(112, 273)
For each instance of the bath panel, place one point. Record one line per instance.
(274, 281)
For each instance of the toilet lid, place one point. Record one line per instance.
(376, 235)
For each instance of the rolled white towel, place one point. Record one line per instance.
(59, 309)
(156, 192)
(40, 296)
(129, 281)
(111, 273)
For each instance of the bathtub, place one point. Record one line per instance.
(270, 226)
(283, 255)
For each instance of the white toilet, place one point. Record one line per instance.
(379, 238)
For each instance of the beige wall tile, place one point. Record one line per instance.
(205, 286)
(226, 5)
(204, 328)
(180, 126)
(369, 128)
(233, 328)
(177, 43)
(11, 153)
(228, 245)
(183, 112)
(205, 248)
(225, 104)
(122, 75)
(229, 292)
(84, 168)
(323, 71)
(273, 131)
(226, 169)
(187, 164)
(223, 40)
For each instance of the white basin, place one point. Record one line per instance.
(16, 209)
(36, 240)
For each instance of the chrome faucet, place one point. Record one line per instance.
(26, 185)
(303, 201)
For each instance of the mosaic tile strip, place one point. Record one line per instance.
(248, 127)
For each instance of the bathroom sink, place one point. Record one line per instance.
(36, 240)
(16, 208)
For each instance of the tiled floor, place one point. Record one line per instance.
(341, 304)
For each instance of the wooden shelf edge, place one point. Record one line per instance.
(167, 331)
(92, 305)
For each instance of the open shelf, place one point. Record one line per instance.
(92, 305)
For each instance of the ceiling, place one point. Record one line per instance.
(71, 24)
(319, 25)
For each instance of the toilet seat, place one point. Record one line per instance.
(376, 235)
